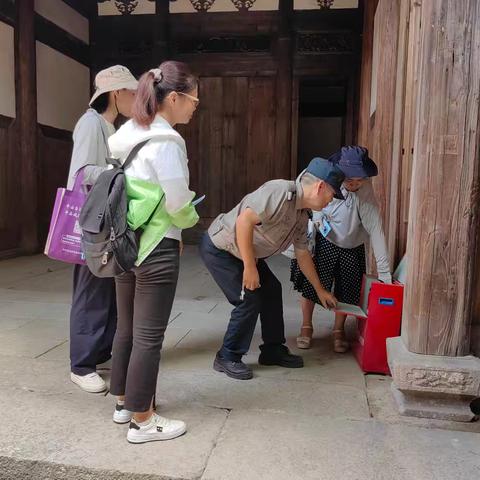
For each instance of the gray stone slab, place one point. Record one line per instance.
(78, 430)
(202, 339)
(200, 320)
(19, 269)
(20, 295)
(320, 367)
(35, 310)
(173, 336)
(35, 376)
(275, 446)
(60, 353)
(49, 283)
(11, 323)
(51, 419)
(262, 394)
(196, 351)
(194, 305)
(187, 360)
(34, 338)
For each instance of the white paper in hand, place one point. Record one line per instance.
(349, 309)
(198, 200)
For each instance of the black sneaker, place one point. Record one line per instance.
(237, 370)
(279, 355)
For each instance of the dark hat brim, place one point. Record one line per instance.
(371, 168)
(367, 169)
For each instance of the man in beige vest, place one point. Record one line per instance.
(234, 250)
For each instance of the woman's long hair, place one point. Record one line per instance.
(156, 84)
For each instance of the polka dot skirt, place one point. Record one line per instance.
(340, 268)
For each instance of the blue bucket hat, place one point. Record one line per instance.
(327, 171)
(355, 162)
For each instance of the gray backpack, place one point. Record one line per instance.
(108, 243)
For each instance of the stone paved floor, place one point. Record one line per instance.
(322, 422)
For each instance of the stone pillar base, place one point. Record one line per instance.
(430, 386)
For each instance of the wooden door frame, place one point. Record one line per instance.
(398, 157)
(294, 129)
(348, 120)
(408, 124)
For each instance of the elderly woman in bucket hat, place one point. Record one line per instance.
(342, 228)
(93, 317)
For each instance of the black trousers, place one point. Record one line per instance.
(144, 298)
(266, 301)
(93, 320)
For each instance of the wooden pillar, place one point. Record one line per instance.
(433, 374)
(26, 91)
(444, 203)
(161, 32)
(283, 132)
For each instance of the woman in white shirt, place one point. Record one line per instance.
(159, 207)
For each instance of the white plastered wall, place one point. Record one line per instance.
(63, 88)
(65, 17)
(7, 71)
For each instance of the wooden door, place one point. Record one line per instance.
(231, 141)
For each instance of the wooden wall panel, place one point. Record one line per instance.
(25, 69)
(235, 132)
(10, 181)
(230, 142)
(210, 146)
(54, 153)
(382, 131)
(261, 132)
(231, 24)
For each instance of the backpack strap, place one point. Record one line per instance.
(133, 153)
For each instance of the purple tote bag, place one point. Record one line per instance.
(64, 235)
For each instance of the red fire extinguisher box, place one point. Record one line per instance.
(382, 304)
(379, 317)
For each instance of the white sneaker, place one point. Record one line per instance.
(121, 414)
(91, 383)
(159, 428)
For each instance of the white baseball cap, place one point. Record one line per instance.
(113, 78)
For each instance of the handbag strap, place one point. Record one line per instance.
(78, 184)
(133, 153)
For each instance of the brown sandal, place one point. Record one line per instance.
(305, 342)
(340, 345)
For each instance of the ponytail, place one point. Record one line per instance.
(156, 84)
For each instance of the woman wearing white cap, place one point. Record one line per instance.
(93, 316)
